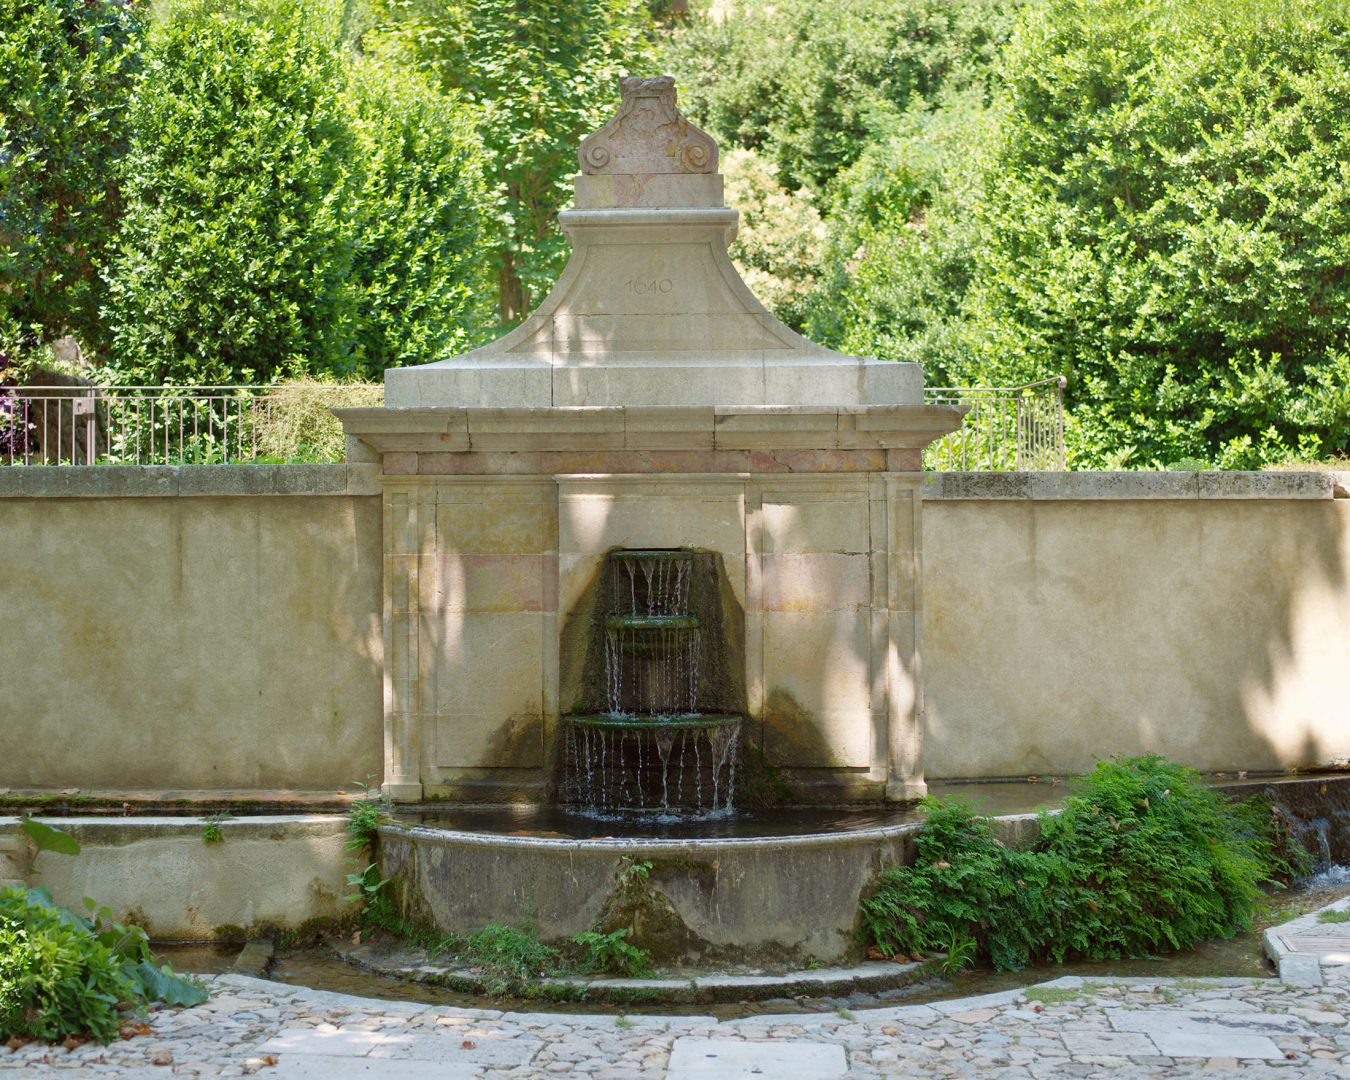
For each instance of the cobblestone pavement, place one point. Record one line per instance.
(1066, 1028)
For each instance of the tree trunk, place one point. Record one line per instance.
(511, 298)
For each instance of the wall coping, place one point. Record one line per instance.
(1152, 486)
(123, 481)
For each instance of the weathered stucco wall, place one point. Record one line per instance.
(1079, 616)
(159, 873)
(209, 628)
(178, 629)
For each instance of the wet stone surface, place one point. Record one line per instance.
(1070, 1027)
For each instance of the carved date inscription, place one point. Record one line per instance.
(647, 286)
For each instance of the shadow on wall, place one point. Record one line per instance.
(1214, 631)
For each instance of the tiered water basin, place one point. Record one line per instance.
(652, 750)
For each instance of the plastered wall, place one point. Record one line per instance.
(201, 630)
(179, 630)
(1089, 615)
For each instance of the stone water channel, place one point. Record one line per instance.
(1241, 957)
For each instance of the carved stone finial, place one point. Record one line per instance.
(648, 136)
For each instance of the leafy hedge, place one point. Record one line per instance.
(1150, 202)
(65, 72)
(1143, 858)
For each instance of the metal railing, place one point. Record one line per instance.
(175, 425)
(1020, 427)
(1011, 428)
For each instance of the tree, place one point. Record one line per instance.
(421, 269)
(1164, 219)
(810, 85)
(235, 258)
(542, 75)
(65, 70)
(291, 209)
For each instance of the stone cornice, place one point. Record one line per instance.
(708, 428)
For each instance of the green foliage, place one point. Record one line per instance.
(1142, 858)
(610, 954)
(55, 978)
(49, 838)
(211, 832)
(810, 85)
(66, 974)
(1329, 916)
(902, 241)
(235, 256)
(291, 209)
(364, 817)
(368, 890)
(297, 423)
(1161, 221)
(509, 953)
(780, 243)
(420, 270)
(542, 75)
(65, 71)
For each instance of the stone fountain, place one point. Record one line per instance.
(648, 522)
(661, 740)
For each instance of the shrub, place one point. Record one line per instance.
(1161, 221)
(296, 422)
(65, 72)
(56, 979)
(420, 270)
(235, 257)
(1142, 858)
(65, 974)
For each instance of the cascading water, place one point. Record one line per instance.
(653, 746)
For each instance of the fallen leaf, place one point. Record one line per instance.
(1038, 1008)
(874, 953)
(131, 1028)
(468, 1044)
(890, 1029)
(161, 1057)
(356, 937)
(16, 1041)
(270, 1059)
(72, 1041)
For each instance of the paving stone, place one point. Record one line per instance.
(730, 1059)
(1299, 970)
(341, 1067)
(324, 1039)
(1111, 1043)
(1189, 1044)
(467, 1046)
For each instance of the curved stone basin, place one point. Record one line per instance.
(757, 899)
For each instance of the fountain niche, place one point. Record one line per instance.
(649, 535)
(661, 742)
